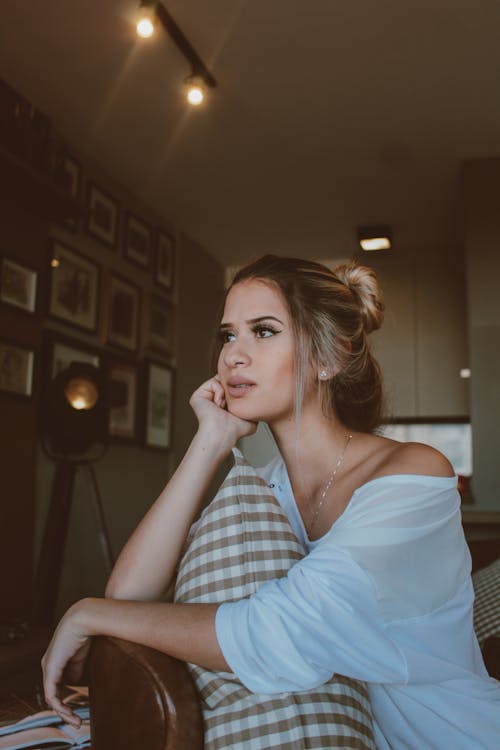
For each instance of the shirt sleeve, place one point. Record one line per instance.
(295, 632)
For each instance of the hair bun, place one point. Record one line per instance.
(363, 283)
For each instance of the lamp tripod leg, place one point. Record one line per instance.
(50, 560)
(101, 522)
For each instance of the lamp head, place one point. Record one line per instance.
(75, 411)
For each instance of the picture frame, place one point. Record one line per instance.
(102, 215)
(122, 424)
(165, 261)
(72, 172)
(18, 285)
(160, 335)
(137, 240)
(74, 287)
(16, 369)
(123, 313)
(159, 405)
(63, 352)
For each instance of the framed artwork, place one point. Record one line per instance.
(137, 241)
(122, 377)
(71, 173)
(159, 405)
(160, 325)
(18, 285)
(64, 352)
(102, 215)
(16, 369)
(74, 287)
(165, 261)
(123, 313)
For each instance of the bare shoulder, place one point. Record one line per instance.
(416, 458)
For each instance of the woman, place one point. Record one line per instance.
(383, 595)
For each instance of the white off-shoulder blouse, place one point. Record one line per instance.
(385, 596)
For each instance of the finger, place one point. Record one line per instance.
(62, 710)
(212, 390)
(221, 393)
(51, 680)
(220, 397)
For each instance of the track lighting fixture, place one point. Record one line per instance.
(200, 79)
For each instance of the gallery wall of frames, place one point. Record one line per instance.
(87, 273)
(107, 296)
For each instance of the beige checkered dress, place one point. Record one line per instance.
(487, 602)
(244, 539)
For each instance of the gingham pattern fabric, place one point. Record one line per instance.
(487, 602)
(244, 539)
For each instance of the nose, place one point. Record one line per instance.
(235, 355)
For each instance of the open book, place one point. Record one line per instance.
(46, 730)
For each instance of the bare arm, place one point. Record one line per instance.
(147, 563)
(185, 631)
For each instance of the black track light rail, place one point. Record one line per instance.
(198, 66)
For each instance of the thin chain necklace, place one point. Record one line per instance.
(327, 486)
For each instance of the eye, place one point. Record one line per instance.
(225, 336)
(264, 331)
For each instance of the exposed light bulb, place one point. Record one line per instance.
(195, 90)
(54, 262)
(145, 22)
(195, 95)
(145, 28)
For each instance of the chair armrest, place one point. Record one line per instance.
(141, 698)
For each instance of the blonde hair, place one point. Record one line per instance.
(332, 313)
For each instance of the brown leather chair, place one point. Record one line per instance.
(141, 698)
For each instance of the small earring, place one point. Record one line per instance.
(323, 374)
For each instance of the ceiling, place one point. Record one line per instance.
(328, 113)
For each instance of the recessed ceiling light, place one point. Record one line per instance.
(375, 238)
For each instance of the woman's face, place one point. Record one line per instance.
(257, 361)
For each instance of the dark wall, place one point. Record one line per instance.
(130, 475)
(23, 236)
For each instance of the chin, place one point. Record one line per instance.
(244, 412)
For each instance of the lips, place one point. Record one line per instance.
(237, 387)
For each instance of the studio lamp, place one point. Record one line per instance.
(76, 412)
(375, 238)
(74, 428)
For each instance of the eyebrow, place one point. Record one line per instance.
(252, 321)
